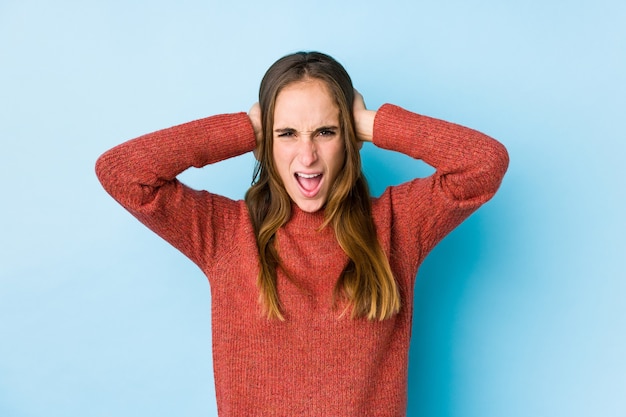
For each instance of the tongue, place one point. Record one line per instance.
(309, 184)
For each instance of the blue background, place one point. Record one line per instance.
(519, 312)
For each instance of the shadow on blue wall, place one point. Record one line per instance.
(441, 284)
(439, 289)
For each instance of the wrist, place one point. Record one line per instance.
(364, 122)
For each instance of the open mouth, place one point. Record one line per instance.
(309, 183)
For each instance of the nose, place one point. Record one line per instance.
(307, 152)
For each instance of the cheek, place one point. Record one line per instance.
(281, 160)
(338, 158)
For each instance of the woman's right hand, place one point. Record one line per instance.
(255, 118)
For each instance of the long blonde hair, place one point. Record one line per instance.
(367, 282)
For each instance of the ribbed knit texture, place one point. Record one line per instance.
(315, 363)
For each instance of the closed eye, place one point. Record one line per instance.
(285, 133)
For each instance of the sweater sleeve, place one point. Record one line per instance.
(141, 175)
(469, 167)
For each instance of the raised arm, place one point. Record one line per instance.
(134, 171)
(469, 167)
(141, 175)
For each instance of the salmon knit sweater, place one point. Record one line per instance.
(314, 363)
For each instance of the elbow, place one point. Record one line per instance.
(498, 162)
(110, 171)
(106, 169)
(102, 170)
(120, 177)
(495, 165)
(480, 183)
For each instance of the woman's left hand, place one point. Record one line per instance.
(363, 118)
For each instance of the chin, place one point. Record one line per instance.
(309, 206)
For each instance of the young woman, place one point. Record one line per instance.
(311, 279)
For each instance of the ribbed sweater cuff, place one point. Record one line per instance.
(392, 127)
(224, 136)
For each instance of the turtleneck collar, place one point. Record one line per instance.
(303, 220)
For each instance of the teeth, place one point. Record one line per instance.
(307, 175)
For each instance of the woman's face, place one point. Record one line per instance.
(308, 145)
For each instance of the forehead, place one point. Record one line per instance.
(305, 105)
